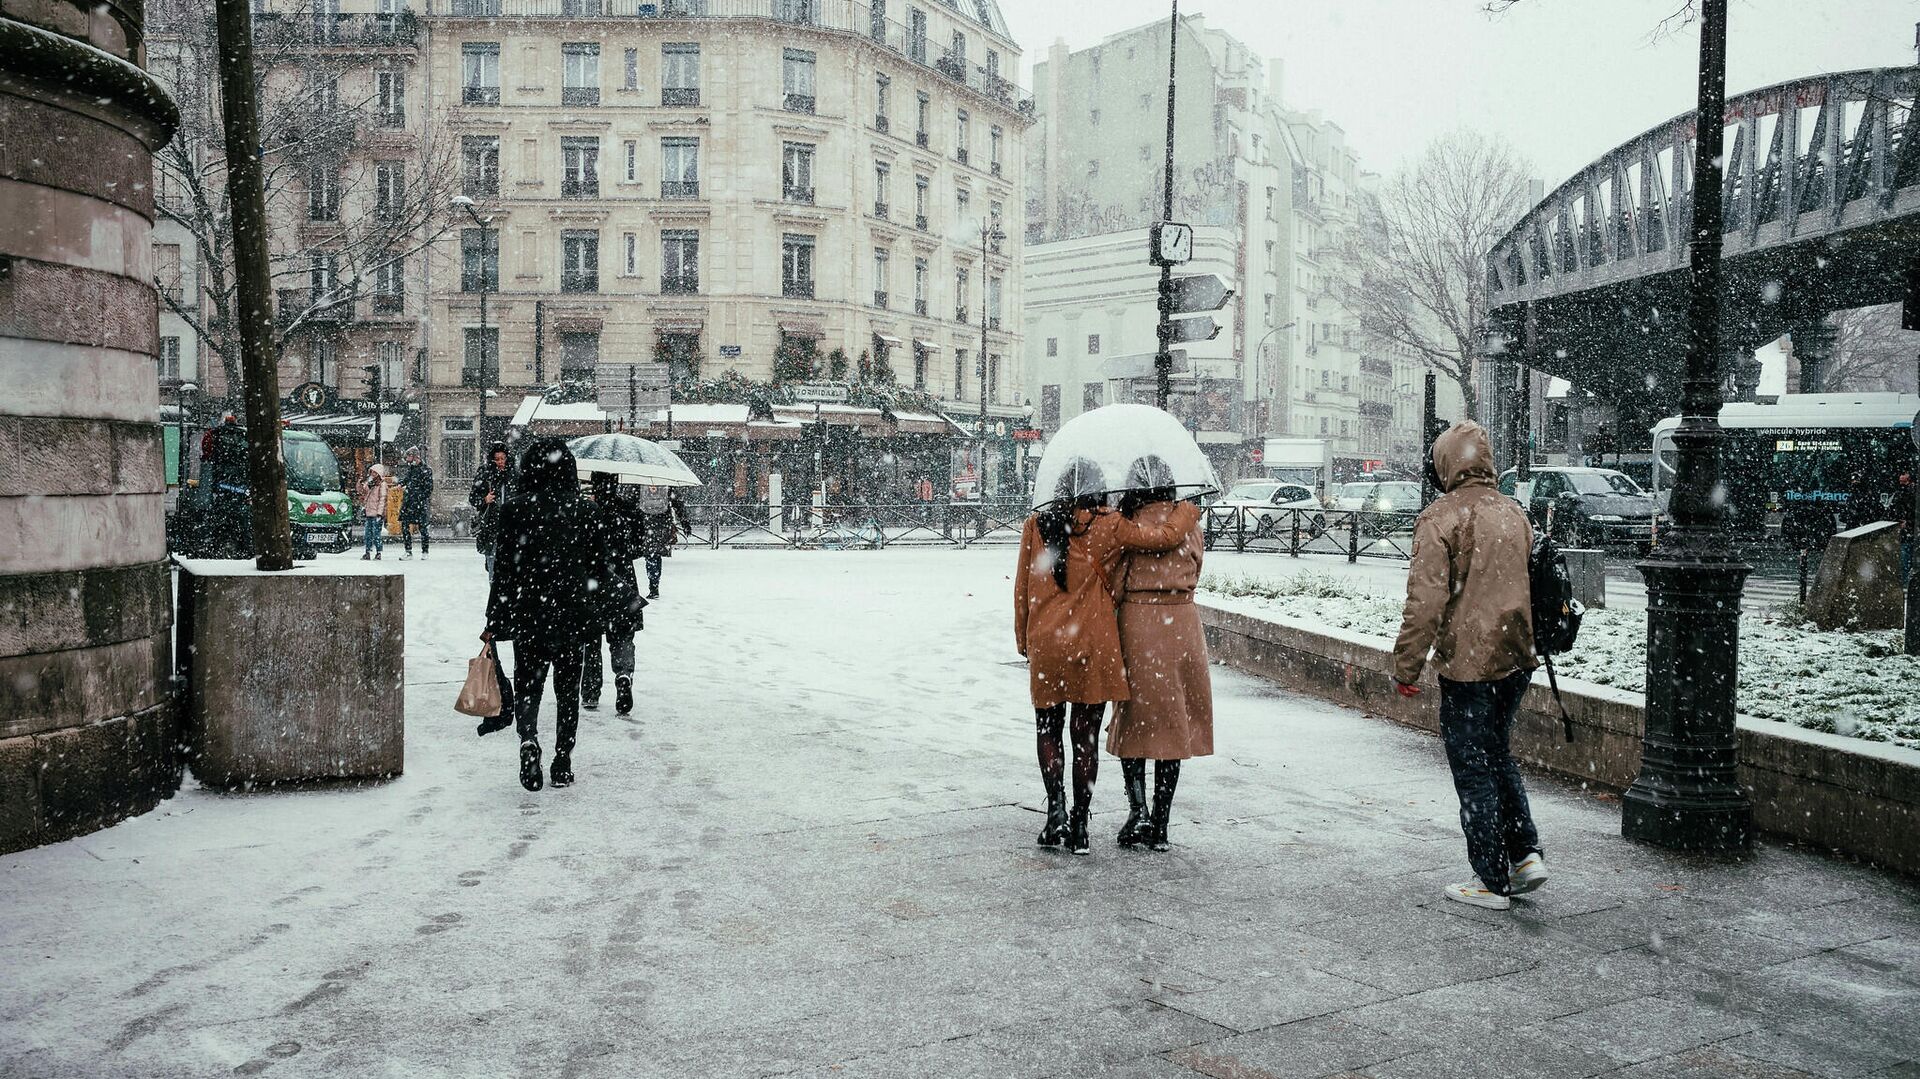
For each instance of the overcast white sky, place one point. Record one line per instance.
(1564, 80)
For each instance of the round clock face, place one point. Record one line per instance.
(312, 396)
(1179, 243)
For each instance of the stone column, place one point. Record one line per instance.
(1812, 348)
(87, 727)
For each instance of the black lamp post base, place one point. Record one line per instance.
(1680, 822)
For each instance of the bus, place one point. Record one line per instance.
(1808, 465)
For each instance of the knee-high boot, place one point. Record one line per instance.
(1136, 831)
(1166, 775)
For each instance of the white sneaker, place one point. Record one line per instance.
(1474, 894)
(408, 557)
(1530, 874)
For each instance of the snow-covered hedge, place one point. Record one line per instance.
(1856, 684)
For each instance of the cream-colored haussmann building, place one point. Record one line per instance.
(696, 180)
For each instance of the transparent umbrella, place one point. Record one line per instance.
(1122, 448)
(634, 460)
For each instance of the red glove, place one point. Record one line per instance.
(1406, 690)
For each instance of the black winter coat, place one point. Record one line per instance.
(418, 503)
(621, 524)
(550, 572)
(486, 519)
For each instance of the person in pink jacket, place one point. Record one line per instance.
(373, 507)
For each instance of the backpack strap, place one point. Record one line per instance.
(1566, 721)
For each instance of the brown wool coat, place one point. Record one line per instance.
(1071, 638)
(1168, 715)
(1467, 591)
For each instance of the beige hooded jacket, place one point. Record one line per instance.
(1467, 590)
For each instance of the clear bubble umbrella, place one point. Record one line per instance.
(634, 460)
(1122, 448)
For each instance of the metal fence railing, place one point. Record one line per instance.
(1352, 534)
(869, 526)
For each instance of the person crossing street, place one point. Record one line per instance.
(416, 505)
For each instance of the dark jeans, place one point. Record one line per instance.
(1476, 719)
(653, 572)
(619, 638)
(406, 535)
(531, 659)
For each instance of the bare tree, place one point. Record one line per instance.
(1872, 352)
(1687, 12)
(1415, 272)
(354, 194)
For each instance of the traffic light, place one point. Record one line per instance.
(372, 381)
(1193, 295)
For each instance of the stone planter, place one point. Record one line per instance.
(291, 677)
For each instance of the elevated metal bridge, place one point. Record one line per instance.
(1822, 192)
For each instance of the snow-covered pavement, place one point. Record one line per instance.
(810, 852)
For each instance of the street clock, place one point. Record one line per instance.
(1171, 243)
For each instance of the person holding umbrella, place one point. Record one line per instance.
(1167, 714)
(550, 565)
(660, 472)
(663, 516)
(620, 599)
(1063, 622)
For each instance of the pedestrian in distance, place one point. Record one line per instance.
(491, 489)
(1469, 602)
(1064, 623)
(416, 504)
(374, 488)
(1167, 716)
(621, 524)
(550, 564)
(663, 516)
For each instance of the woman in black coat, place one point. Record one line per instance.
(621, 602)
(551, 560)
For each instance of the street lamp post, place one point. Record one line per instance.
(989, 234)
(1688, 794)
(1260, 375)
(180, 431)
(486, 346)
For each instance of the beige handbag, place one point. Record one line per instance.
(480, 696)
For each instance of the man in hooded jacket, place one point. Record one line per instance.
(1469, 601)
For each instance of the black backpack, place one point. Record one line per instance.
(1556, 614)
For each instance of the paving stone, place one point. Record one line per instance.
(1309, 1048)
(1520, 1054)
(1709, 1062)
(1284, 991)
(1638, 1030)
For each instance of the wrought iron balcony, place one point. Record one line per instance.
(881, 210)
(399, 29)
(881, 124)
(920, 307)
(798, 103)
(479, 95)
(798, 194)
(921, 139)
(579, 281)
(797, 290)
(879, 298)
(580, 189)
(580, 95)
(679, 189)
(681, 285)
(680, 95)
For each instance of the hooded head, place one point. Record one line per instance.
(547, 468)
(503, 461)
(1463, 457)
(606, 487)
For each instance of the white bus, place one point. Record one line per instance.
(1810, 464)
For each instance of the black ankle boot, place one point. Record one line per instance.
(530, 765)
(1166, 775)
(1077, 832)
(623, 695)
(562, 768)
(1136, 831)
(492, 723)
(1054, 832)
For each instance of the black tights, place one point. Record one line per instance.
(531, 661)
(1165, 775)
(1047, 725)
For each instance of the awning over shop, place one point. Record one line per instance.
(351, 425)
(890, 341)
(729, 421)
(925, 345)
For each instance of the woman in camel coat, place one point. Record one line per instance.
(1063, 622)
(1167, 715)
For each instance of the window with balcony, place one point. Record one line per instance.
(579, 73)
(1053, 346)
(679, 168)
(923, 111)
(480, 364)
(920, 286)
(630, 158)
(679, 262)
(323, 361)
(389, 286)
(680, 73)
(877, 20)
(323, 279)
(480, 73)
(580, 167)
(882, 102)
(682, 354)
(962, 204)
(389, 190)
(476, 7)
(995, 140)
(1093, 344)
(921, 185)
(796, 171)
(920, 359)
(629, 254)
(954, 63)
(882, 189)
(882, 276)
(804, 12)
(579, 357)
(960, 374)
(797, 80)
(917, 36)
(323, 92)
(583, 9)
(960, 290)
(796, 266)
(962, 129)
(480, 166)
(479, 260)
(323, 192)
(994, 239)
(390, 98)
(579, 260)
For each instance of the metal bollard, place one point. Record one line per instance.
(1353, 537)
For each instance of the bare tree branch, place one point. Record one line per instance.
(1872, 353)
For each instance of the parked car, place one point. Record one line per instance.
(1587, 507)
(1271, 504)
(1381, 497)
